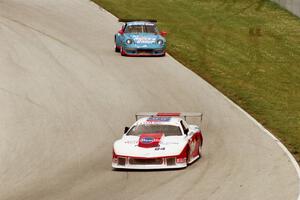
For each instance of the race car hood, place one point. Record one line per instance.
(161, 147)
(144, 38)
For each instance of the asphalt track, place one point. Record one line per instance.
(65, 96)
(291, 5)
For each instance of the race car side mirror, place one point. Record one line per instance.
(126, 129)
(163, 33)
(186, 131)
(121, 32)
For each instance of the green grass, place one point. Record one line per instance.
(249, 50)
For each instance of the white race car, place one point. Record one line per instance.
(158, 141)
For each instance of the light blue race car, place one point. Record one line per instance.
(140, 38)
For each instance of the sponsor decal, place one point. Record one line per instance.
(143, 40)
(158, 119)
(147, 140)
(159, 148)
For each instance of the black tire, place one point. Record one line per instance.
(117, 49)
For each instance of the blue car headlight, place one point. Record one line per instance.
(129, 41)
(160, 42)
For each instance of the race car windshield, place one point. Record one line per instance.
(167, 130)
(141, 29)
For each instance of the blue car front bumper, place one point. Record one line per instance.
(144, 50)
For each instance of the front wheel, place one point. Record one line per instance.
(122, 51)
(117, 49)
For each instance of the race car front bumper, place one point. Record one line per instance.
(148, 163)
(144, 52)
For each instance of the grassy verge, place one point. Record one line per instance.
(248, 49)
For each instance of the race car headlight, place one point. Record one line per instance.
(129, 41)
(160, 42)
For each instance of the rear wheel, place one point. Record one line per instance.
(200, 150)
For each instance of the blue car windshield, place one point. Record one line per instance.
(167, 130)
(141, 29)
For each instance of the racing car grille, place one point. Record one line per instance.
(145, 51)
(150, 161)
(170, 161)
(121, 161)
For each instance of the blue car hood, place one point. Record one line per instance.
(144, 38)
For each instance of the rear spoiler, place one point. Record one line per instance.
(158, 114)
(134, 20)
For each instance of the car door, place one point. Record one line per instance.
(193, 140)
